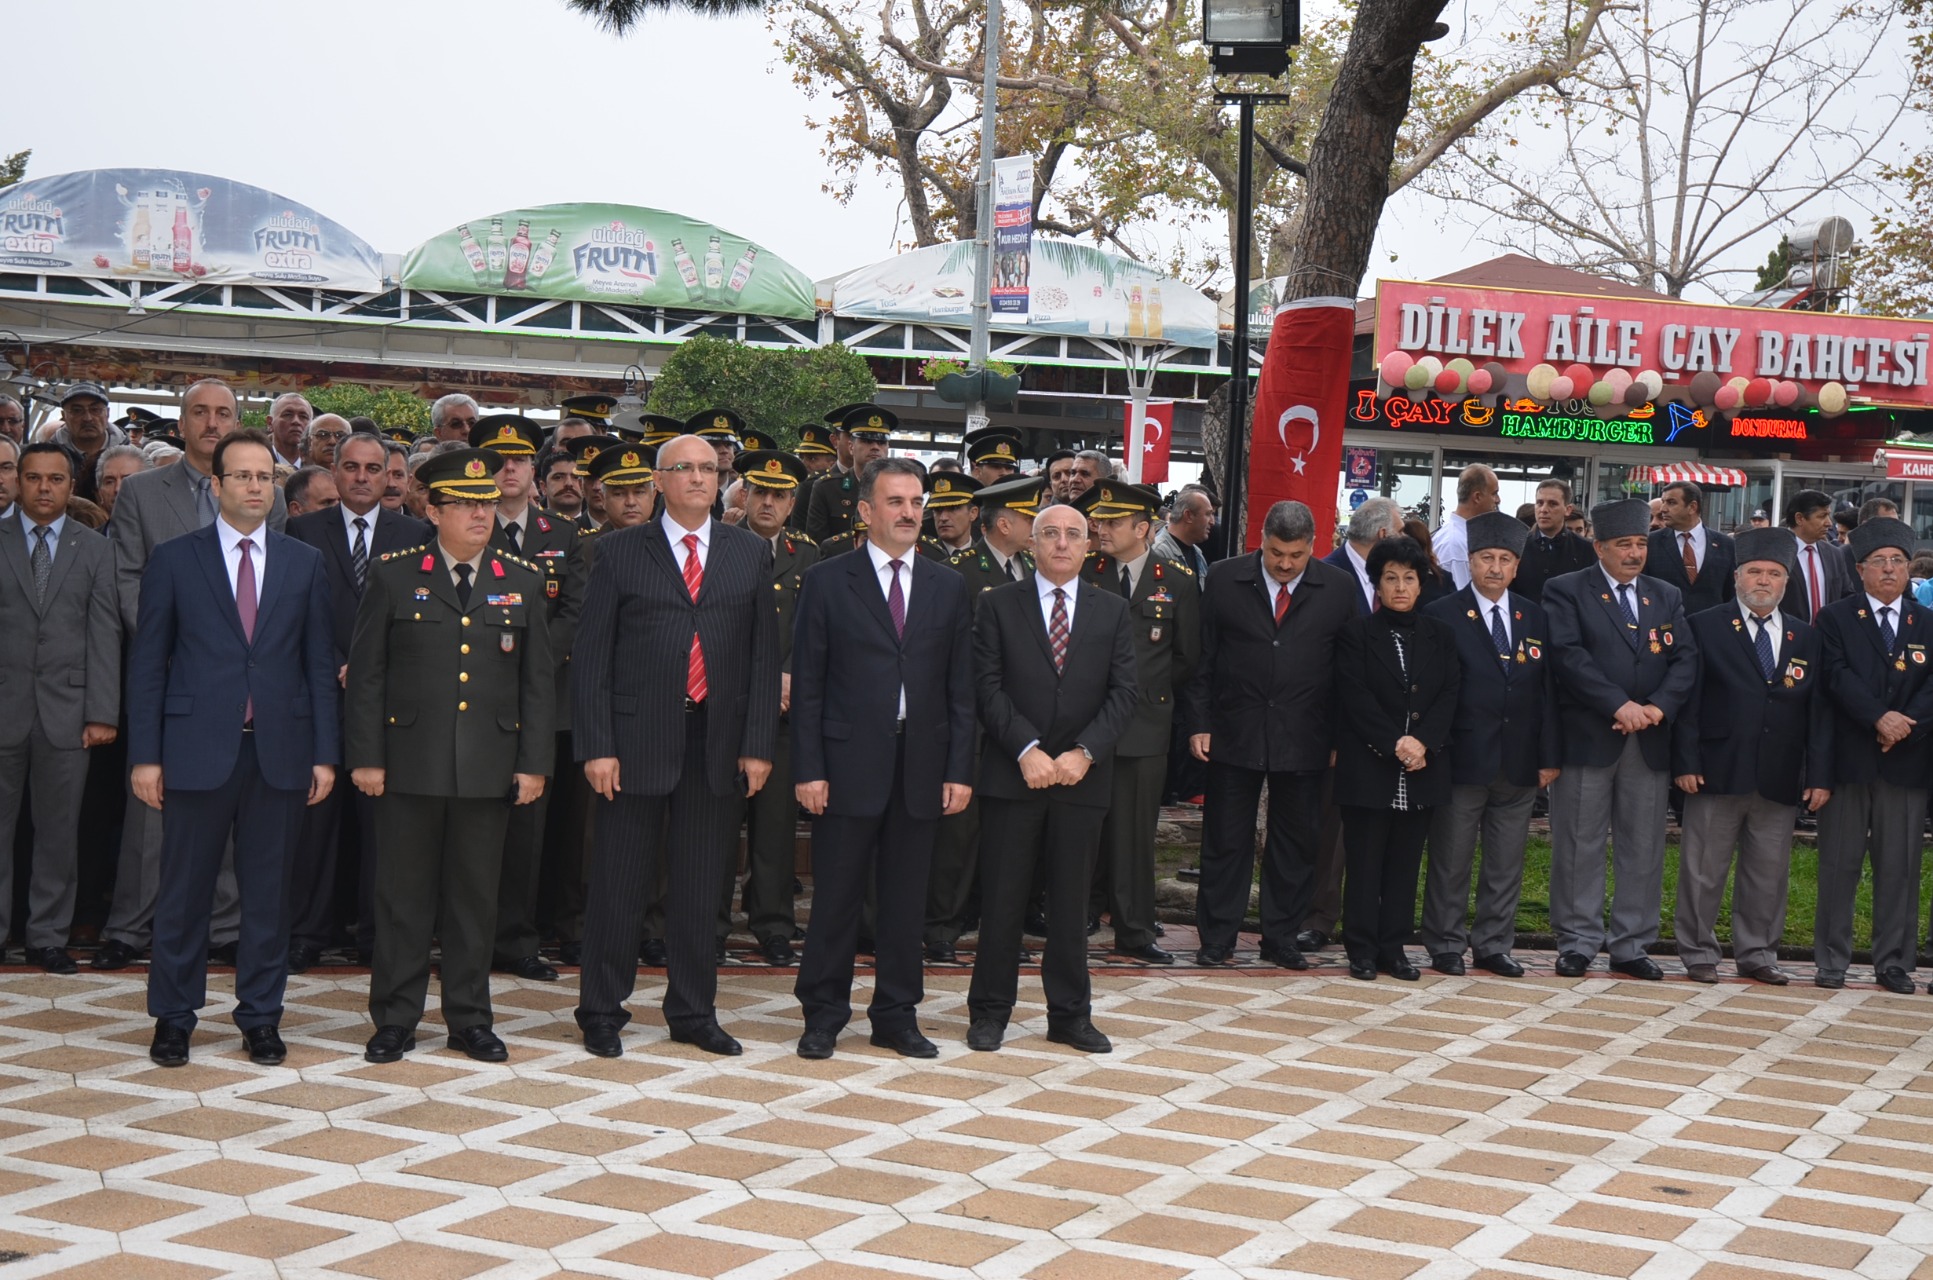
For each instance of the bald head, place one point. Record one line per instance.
(1060, 543)
(1476, 490)
(687, 480)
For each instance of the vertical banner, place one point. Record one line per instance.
(1013, 234)
(1157, 425)
(1295, 431)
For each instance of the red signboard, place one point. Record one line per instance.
(1909, 466)
(1881, 360)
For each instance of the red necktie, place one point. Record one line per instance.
(245, 605)
(1281, 603)
(1057, 630)
(694, 578)
(1812, 578)
(1691, 560)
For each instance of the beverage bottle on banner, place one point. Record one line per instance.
(1137, 318)
(743, 271)
(519, 266)
(540, 257)
(495, 251)
(1154, 311)
(687, 269)
(184, 238)
(472, 251)
(143, 231)
(714, 266)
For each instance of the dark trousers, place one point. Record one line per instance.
(1325, 890)
(1384, 850)
(567, 829)
(951, 900)
(1228, 853)
(517, 877)
(771, 851)
(685, 832)
(366, 843)
(312, 873)
(890, 851)
(1125, 876)
(196, 826)
(436, 879)
(1017, 835)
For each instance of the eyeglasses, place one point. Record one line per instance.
(1886, 562)
(328, 435)
(250, 477)
(686, 468)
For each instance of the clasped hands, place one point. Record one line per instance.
(1635, 718)
(1893, 729)
(1041, 770)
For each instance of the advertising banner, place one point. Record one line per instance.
(1013, 234)
(610, 253)
(168, 225)
(1301, 399)
(1886, 361)
(1157, 431)
(1358, 468)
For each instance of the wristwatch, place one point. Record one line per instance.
(1084, 751)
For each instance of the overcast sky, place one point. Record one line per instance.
(400, 119)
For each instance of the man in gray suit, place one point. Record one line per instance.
(151, 508)
(1626, 666)
(62, 646)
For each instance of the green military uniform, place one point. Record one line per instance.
(835, 506)
(452, 698)
(1164, 606)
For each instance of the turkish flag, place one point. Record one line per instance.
(1295, 431)
(1158, 427)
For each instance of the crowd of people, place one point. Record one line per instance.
(513, 694)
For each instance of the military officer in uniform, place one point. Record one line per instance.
(835, 498)
(994, 454)
(545, 539)
(816, 452)
(597, 409)
(950, 510)
(450, 693)
(1164, 608)
(722, 429)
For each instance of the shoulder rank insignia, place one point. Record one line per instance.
(496, 567)
(543, 525)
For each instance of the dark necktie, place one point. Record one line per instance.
(1057, 630)
(245, 605)
(1497, 633)
(1127, 584)
(513, 534)
(1762, 643)
(1630, 614)
(204, 500)
(1887, 635)
(896, 601)
(42, 564)
(463, 586)
(1012, 574)
(359, 553)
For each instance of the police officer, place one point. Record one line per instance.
(1164, 607)
(450, 693)
(545, 539)
(835, 498)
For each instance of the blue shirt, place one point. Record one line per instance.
(53, 533)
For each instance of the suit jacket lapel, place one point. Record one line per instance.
(1474, 608)
(339, 548)
(181, 493)
(1036, 620)
(275, 573)
(13, 545)
(63, 559)
(208, 549)
(865, 584)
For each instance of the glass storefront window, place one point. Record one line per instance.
(1617, 480)
(1517, 477)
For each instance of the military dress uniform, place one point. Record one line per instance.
(815, 441)
(451, 697)
(835, 498)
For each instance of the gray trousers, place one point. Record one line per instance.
(137, 883)
(57, 777)
(1626, 803)
(1761, 832)
(1884, 822)
(1500, 813)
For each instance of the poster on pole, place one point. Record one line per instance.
(1358, 467)
(1157, 426)
(1013, 234)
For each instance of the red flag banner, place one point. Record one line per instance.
(1295, 432)
(1158, 425)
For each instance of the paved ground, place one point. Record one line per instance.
(1248, 1124)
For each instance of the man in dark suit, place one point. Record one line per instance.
(1503, 746)
(351, 536)
(1753, 742)
(1689, 554)
(60, 652)
(231, 731)
(675, 709)
(1374, 520)
(1261, 709)
(883, 729)
(150, 509)
(1820, 572)
(1874, 649)
(1551, 549)
(1626, 664)
(448, 729)
(1054, 663)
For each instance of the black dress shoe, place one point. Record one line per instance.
(531, 967)
(941, 953)
(865, 946)
(651, 953)
(1093, 924)
(1896, 980)
(777, 951)
(603, 1041)
(1642, 967)
(1212, 957)
(1399, 967)
(224, 953)
(1080, 1034)
(1501, 965)
(1036, 925)
(570, 953)
(1284, 957)
(1312, 940)
(1571, 964)
(389, 1044)
(265, 1047)
(52, 959)
(1829, 979)
(112, 954)
(479, 1042)
(1450, 962)
(1148, 953)
(907, 1042)
(817, 1045)
(1159, 931)
(711, 1038)
(303, 957)
(1362, 970)
(985, 1034)
(170, 1045)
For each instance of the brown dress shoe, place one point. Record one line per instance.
(1770, 974)
(1702, 972)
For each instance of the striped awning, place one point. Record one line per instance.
(1698, 473)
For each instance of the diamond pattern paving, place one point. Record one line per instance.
(1250, 1123)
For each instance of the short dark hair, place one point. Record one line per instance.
(887, 467)
(1804, 503)
(1289, 521)
(394, 446)
(1562, 486)
(550, 457)
(1693, 495)
(247, 435)
(1399, 550)
(362, 422)
(1876, 506)
(296, 488)
(1058, 455)
(71, 455)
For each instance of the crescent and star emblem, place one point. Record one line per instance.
(1299, 413)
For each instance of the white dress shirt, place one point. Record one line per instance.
(1271, 589)
(231, 555)
(1499, 609)
(1698, 540)
(676, 534)
(1774, 630)
(368, 519)
(883, 572)
(1812, 570)
(1452, 547)
(1361, 566)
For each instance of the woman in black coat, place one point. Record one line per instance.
(1397, 677)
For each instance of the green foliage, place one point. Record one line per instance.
(773, 390)
(387, 405)
(14, 167)
(1777, 264)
